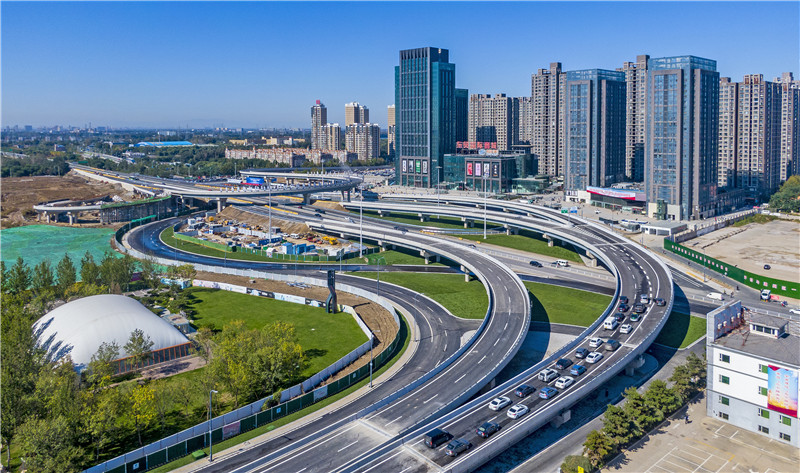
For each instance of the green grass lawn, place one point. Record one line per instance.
(294, 416)
(564, 305)
(530, 242)
(463, 299)
(392, 256)
(324, 337)
(413, 219)
(681, 330)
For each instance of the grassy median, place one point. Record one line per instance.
(527, 241)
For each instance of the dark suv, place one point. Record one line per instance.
(536, 264)
(524, 390)
(563, 363)
(487, 429)
(456, 446)
(436, 437)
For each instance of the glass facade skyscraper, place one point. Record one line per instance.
(681, 137)
(595, 125)
(425, 128)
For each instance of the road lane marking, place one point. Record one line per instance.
(460, 378)
(381, 463)
(393, 421)
(347, 446)
(430, 399)
(484, 357)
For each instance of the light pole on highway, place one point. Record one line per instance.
(372, 337)
(361, 221)
(437, 185)
(210, 416)
(269, 188)
(485, 205)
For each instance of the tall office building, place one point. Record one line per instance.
(355, 113)
(790, 125)
(728, 132)
(523, 120)
(319, 117)
(635, 109)
(462, 114)
(547, 142)
(595, 125)
(426, 114)
(759, 136)
(681, 137)
(390, 132)
(364, 140)
(491, 119)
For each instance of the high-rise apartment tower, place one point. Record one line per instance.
(319, 117)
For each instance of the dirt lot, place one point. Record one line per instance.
(376, 317)
(20, 194)
(286, 226)
(750, 247)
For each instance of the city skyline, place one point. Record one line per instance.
(234, 65)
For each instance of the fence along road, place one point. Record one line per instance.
(506, 325)
(638, 272)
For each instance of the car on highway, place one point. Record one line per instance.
(471, 246)
(456, 446)
(638, 308)
(623, 307)
(564, 382)
(577, 370)
(644, 299)
(595, 342)
(611, 344)
(766, 266)
(499, 403)
(547, 392)
(563, 363)
(623, 299)
(626, 328)
(524, 390)
(436, 437)
(581, 352)
(536, 264)
(517, 411)
(635, 317)
(794, 311)
(487, 429)
(547, 375)
(316, 214)
(660, 302)
(594, 357)
(619, 316)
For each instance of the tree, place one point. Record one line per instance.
(19, 277)
(697, 370)
(617, 426)
(142, 410)
(681, 380)
(149, 272)
(641, 413)
(90, 273)
(48, 445)
(101, 367)
(232, 361)
(163, 401)
(597, 447)
(66, 274)
(662, 397)
(279, 356)
(138, 347)
(572, 462)
(42, 278)
(101, 414)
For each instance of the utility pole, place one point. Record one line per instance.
(485, 205)
(361, 222)
(210, 416)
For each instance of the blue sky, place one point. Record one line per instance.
(258, 64)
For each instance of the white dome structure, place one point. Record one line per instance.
(78, 328)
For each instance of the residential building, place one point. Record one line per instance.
(462, 114)
(426, 114)
(319, 117)
(752, 372)
(491, 119)
(293, 157)
(681, 140)
(364, 140)
(728, 132)
(355, 113)
(595, 126)
(390, 132)
(790, 125)
(548, 112)
(330, 136)
(523, 120)
(759, 136)
(635, 118)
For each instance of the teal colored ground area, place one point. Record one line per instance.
(39, 242)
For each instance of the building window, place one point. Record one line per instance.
(786, 420)
(763, 413)
(724, 379)
(724, 358)
(762, 390)
(763, 368)
(723, 416)
(724, 401)
(786, 437)
(763, 430)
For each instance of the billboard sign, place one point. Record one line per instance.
(424, 167)
(478, 169)
(417, 166)
(486, 169)
(469, 169)
(405, 166)
(618, 193)
(495, 169)
(255, 180)
(782, 390)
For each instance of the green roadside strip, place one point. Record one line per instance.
(527, 241)
(565, 305)
(233, 441)
(681, 330)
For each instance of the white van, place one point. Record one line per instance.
(562, 263)
(610, 323)
(714, 295)
(766, 294)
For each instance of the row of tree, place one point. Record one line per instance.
(640, 413)
(787, 199)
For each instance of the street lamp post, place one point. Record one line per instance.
(269, 184)
(485, 205)
(361, 222)
(437, 185)
(210, 416)
(372, 337)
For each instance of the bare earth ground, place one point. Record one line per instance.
(263, 221)
(776, 243)
(20, 194)
(379, 321)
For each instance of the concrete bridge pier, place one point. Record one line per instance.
(306, 199)
(467, 222)
(221, 201)
(71, 218)
(426, 255)
(423, 218)
(466, 273)
(383, 213)
(511, 230)
(592, 261)
(550, 241)
(634, 365)
(562, 418)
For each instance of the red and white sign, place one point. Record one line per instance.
(476, 145)
(617, 193)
